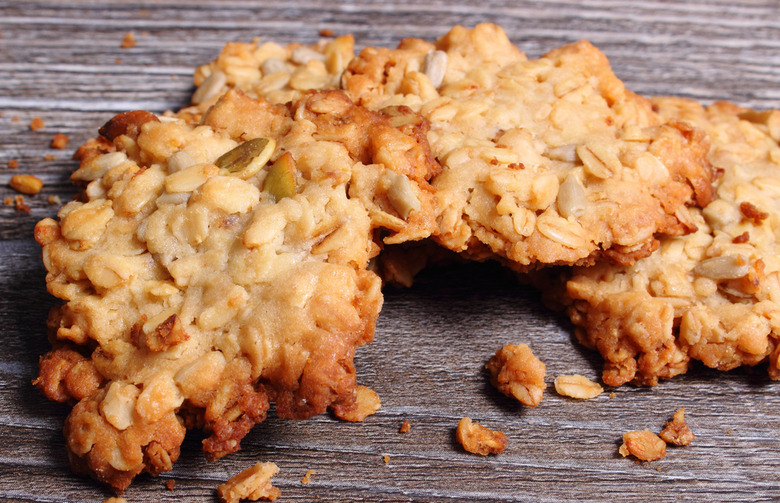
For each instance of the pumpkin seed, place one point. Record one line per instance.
(248, 158)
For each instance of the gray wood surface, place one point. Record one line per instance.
(62, 62)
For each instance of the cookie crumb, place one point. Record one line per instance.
(26, 184)
(405, 427)
(15, 119)
(516, 372)
(115, 499)
(60, 141)
(643, 445)
(366, 403)
(307, 476)
(21, 205)
(54, 200)
(128, 40)
(676, 431)
(577, 386)
(13, 163)
(477, 439)
(252, 484)
(386, 458)
(118, 61)
(612, 394)
(37, 124)
(170, 484)
(326, 32)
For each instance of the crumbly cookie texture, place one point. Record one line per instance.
(477, 439)
(713, 295)
(516, 372)
(208, 269)
(547, 161)
(252, 484)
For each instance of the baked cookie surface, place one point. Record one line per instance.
(209, 269)
(713, 295)
(546, 161)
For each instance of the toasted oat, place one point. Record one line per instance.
(577, 386)
(477, 439)
(516, 372)
(60, 141)
(36, 124)
(252, 484)
(644, 445)
(366, 403)
(676, 430)
(128, 40)
(26, 184)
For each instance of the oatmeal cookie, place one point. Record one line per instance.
(713, 295)
(546, 161)
(209, 269)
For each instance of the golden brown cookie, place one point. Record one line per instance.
(209, 269)
(713, 295)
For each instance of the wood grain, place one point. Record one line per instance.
(62, 62)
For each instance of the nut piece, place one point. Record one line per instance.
(477, 439)
(572, 201)
(366, 403)
(676, 431)
(209, 88)
(26, 184)
(435, 66)
(280, 181)
(723, 267)
(248, 158)
(577, 386)
(126, 123)
(253, 484)
(516, 372)
(644, 445)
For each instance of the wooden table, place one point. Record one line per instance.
(62, 62)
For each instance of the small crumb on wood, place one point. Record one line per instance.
(15, 119)
(676, 431)
(253, 484)
(477, 439)
(13, 163)
(612, 394)
(643, 445)
(26, 184)
(326, 32)
(60, 141)
(21, 205)
(170, 484)
(577, 386)
(516, 372)
(37, 124)
(118, 61)
(405, 427)
(54, 200)
(115, 499)
(128, 40)
(49, 157)
(386, 458)
(307, 476)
